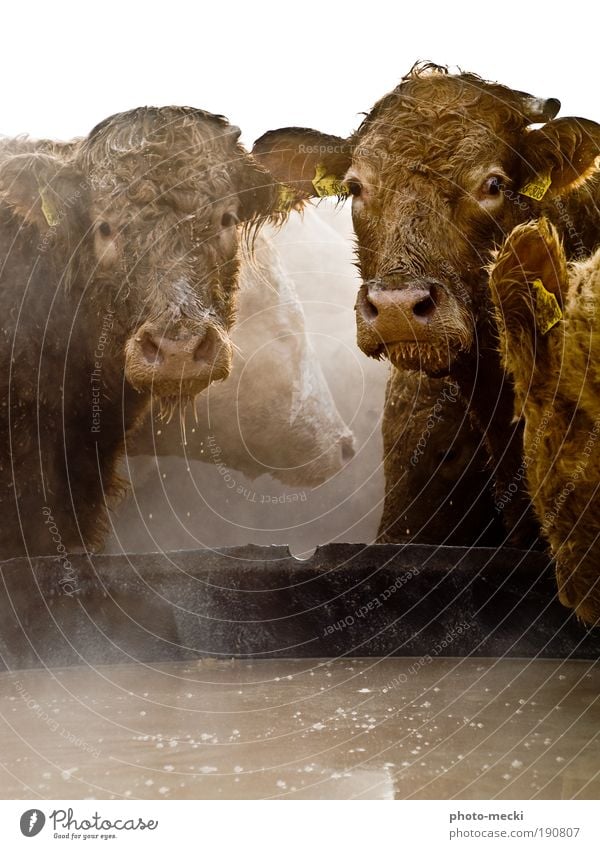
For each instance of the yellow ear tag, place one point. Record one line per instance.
(326, 185)
(287, 198)
(48, 210)
(537, 187)
(547, 310)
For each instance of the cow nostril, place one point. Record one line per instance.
(449, 456)
(205, 349)
(348, 451)
(366, 306)
(426, 307)
(369, 308)
(150, 350)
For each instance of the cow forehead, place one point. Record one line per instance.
(436, 97)
(185, 179)
(173, 142)
(431, 147)
(439, 122)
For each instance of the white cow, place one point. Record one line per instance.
(269, 460)
(275, 413)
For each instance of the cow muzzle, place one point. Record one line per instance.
(178, 362)
(417, 324)
(399, 314)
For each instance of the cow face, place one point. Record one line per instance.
(151, 205)
(436, 172)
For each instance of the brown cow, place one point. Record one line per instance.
(118, 280)
(550, 343)
(439, 171)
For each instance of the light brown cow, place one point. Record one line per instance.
(550, 342)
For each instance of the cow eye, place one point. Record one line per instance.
(354, 187)
(493, 186)
(229, 219)
(104, 229)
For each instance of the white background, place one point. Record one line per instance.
(66, 65)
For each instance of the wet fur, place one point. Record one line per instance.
(420, 152)
(557, 394)
(156, 175)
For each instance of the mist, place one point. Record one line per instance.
(180, 502)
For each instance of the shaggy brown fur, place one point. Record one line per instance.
(133, 226)
(435, 172)
(556, 374)
(437, 486)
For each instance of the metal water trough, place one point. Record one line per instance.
(256, 602)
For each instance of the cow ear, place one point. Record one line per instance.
(533, 251)
(309, 163)
(561, 156)
(38, 187)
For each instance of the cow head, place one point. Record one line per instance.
(147, 212)
(439, 171)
